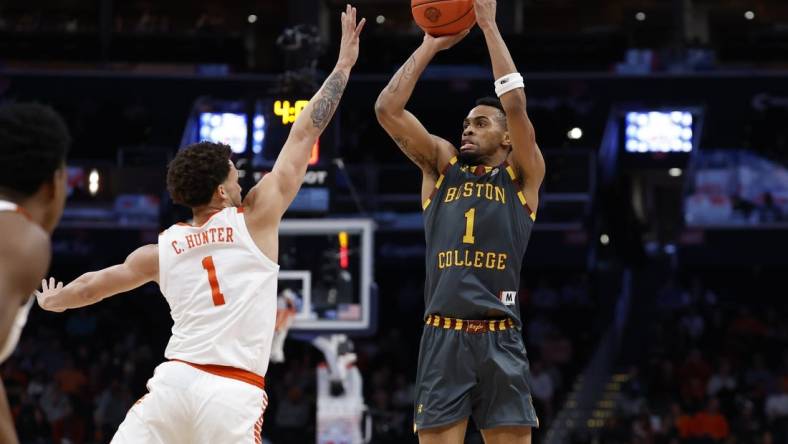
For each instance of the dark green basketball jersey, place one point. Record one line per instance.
(477, 225)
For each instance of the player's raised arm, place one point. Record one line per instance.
(427, 151)
(510, 88)
(271, 197)
(140, 267)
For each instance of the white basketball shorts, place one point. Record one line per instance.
(188, 405)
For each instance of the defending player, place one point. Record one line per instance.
(33, 145)
(219, 277)
(479, 204)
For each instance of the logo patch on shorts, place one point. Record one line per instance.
(508, 297)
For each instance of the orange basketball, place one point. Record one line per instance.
(443, 17)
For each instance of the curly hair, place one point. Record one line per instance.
(196, 171)
(34, 141)
(495, 103)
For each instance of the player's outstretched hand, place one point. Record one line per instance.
(49, 291)
(348, 47)
(445, 42)
(485, 12)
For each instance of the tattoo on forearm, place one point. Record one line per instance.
(327, 103)
(406, 72)
(417, 157)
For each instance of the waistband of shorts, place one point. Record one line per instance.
(470, 326)
(229, 372)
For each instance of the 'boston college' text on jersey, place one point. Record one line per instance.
(222, 293)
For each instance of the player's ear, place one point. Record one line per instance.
(507, 140)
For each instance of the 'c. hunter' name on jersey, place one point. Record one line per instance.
(477, 226)
(205, 237)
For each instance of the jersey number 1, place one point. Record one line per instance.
(216, 292)
(469, 217)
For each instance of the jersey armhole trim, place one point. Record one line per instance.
(439, 182)
(519, 184)
(531, 213)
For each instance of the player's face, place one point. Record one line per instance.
(58, 199)
(482, 135)
(232, 189)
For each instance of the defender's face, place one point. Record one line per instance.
(482, 134)
(232, 189)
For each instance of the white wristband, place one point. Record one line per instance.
(508, 83)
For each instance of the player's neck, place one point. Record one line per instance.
(492, 161)
(203, 213)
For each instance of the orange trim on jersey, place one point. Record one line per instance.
(239, 209)
(229, 372)
(24, 212)
(438, 183)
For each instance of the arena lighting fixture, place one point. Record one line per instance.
(659, 131)
(93, 182)
(575, 133)
(640, 16)
(252, 18)
(749, 15)
(675, 172)
(380, 19)
(604, 239)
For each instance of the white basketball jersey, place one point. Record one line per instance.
(21, 315)
(222, 293)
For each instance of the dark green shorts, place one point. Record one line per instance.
(484, 375)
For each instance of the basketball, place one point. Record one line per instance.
(443, 17)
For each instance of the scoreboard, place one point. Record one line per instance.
(256, 131)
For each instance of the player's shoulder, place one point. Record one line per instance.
(22, 237)
(25, 249)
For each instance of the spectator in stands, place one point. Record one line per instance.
(722, 381)
(710, 423)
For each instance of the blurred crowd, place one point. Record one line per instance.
(75, 375)
(717, 373)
